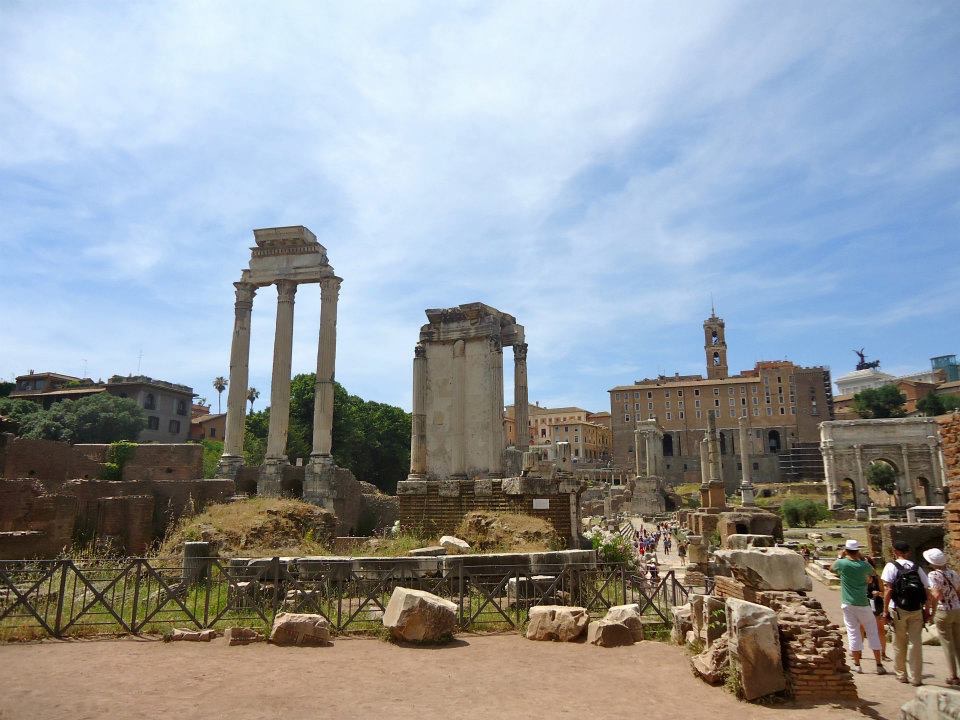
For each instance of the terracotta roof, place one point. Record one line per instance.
(206, 418)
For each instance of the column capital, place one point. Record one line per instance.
(520, 352)
(330, 285)
(495, 344)
(245, 293)
(420, 350)
(286, 290)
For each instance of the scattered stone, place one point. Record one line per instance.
(932, 703)
(755, 648)
(628, 615)
(767, 568)
(714, 618)
(742, 541)
(713, 664)
(555, 622)
(419, 616)
(242, 636)
(682, 623)
(192, 635)
(300, 629)
(454, 545)
(608, 634)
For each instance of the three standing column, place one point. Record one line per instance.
(280, 379)
(239, 377)
(418, 439)
(326, 371)
(746, 486)
(520, 397)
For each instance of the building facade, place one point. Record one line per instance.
(784, 404)
(588, 433)
(590, 443)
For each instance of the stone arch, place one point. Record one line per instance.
(848, 492)
(922, 491)
(773, 442)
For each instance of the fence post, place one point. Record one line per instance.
(136, 598)
(63, 589)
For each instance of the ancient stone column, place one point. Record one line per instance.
(280, 379)
(704, 462)
(520, 398)
(637, 435)
(497, 443)
(239, 377)
(861, 480)
(458, 436)
(418, 436)
(326, 371)
(907, 494)
(936, 482)
(746, 487)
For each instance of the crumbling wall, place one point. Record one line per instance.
(438, 506)
(49, 461)
(950, 442)
(33, 523)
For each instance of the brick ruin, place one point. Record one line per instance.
(950, 445)
(51, 495)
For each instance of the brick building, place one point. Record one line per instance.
(783, 402)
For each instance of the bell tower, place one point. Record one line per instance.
(715, 346)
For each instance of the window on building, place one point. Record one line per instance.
(716, 391)
(743, 401)
(756, 401)
(576, 452)
(666, 393)
(174, 426)
(743, 389)
(636, 394)
(626, 418)
(696, 392)
(679, 393)
(626, 406)
(699, 415)
(783, 411)
(753, 389)
(681, 414)
(733, 412)
(666, 404)
(716, 403)
(649, 395)
(543, 431)
(680, 404)
(213, 432)
(743, 412)
(696, 403)
(731, 401)
(181, 407)
(793, 410)
(730, 390)
(756, 412)
(153, 423)
(669, 416)
(769, 411)
(636, 406)
(149, 402)
(649, 406)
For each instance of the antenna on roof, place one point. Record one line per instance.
(139, 360)
(713, 309)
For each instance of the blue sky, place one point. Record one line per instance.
(596, 169)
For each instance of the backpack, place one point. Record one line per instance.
(908, 590)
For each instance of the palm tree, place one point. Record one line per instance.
(219, 384)
(252, 394)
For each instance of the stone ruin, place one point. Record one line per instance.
(459, 460)
(760, 623)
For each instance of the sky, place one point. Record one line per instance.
(598, 170)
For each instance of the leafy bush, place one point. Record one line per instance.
(111, 471)
(802, 512)
(212, 450)
(612, 548)
(100, 418)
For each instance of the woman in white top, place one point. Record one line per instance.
(945, 591)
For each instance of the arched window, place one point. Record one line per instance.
(714, 338)
(716, 359)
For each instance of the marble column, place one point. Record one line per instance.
(326, 371)
(637, 435)
(418, 435)
(280, 378)
(520, 397)
(239, 377)
(936, 482)
(497, 442)
(746, 487)
(704, 462)
(713, 450)
(909, 497)
(458, 436)
(861, 480)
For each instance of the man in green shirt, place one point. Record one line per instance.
(854, 571)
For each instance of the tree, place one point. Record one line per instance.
(252, 395)
(881, 402)
(6, 388)
(882, 476)
(803, 512)
(933, 404)
(219, 384)
(100, 418)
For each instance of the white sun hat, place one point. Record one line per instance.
(852, 545)
(935, 556)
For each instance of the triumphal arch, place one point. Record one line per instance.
(284, 257)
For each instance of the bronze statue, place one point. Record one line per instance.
(863, 364)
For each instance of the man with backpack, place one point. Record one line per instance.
(906, 605)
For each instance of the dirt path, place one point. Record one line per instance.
(484, 677)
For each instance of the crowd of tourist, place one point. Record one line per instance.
(905, 597)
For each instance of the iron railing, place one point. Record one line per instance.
(61, 598)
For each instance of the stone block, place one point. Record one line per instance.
(713, 664)
(608, 634)
(682, 623)
(755, 648)
(448, 488)
(742, 541)
(767, 568)
(628, 615)
(412, 487)
(300, 629)
(932, 703)
(483, 487)
(454, 545)
(419, 616)
(714, 618)
(193, 635)
(432, 551)
(556, 622)
(242, 636)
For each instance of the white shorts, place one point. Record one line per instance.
(853, 617)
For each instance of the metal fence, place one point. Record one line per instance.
(62, 598)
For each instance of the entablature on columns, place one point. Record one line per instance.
(470, 321)
(286, 253)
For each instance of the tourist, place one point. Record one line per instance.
(905, 603)
(875, 591)
(853, 571)
(945, 606)
(682, 552)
